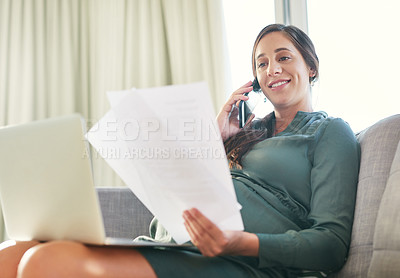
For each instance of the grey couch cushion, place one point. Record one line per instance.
(123, 214)
(386, 248)
(378, 146)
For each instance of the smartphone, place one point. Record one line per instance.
(257, 104)
(247, 107)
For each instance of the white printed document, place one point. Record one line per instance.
(165, 145)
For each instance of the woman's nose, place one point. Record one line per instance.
(274, 69)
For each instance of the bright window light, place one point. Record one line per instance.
(243, 21)
(357, 43)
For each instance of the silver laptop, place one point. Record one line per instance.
(46, 185)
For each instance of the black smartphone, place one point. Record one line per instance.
(247, 107)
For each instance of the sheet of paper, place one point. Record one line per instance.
(108, 143)
(175, 152)
(114, 97)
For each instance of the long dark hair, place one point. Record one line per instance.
(239, 144)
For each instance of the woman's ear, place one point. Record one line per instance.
(312, 76)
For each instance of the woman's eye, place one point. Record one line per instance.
(284, 58)
(260, 65)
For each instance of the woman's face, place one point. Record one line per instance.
(282, 72)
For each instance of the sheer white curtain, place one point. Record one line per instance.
(60, 57)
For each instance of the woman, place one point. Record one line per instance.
(294, 172)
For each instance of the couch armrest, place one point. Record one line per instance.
(123, 214)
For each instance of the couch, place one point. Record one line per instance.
(375, 243)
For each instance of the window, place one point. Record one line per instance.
(357, 43)
(243, 21)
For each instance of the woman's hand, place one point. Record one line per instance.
(211, 241)
(227, 118)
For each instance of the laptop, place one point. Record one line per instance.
(46, 185)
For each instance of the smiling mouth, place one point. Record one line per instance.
(278, 84)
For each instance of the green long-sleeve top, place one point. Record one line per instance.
(297, 191)
(305, 179)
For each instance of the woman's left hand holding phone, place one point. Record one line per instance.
(227, 118)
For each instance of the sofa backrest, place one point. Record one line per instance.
(124, 214)
(385, 260)
(378, 147)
